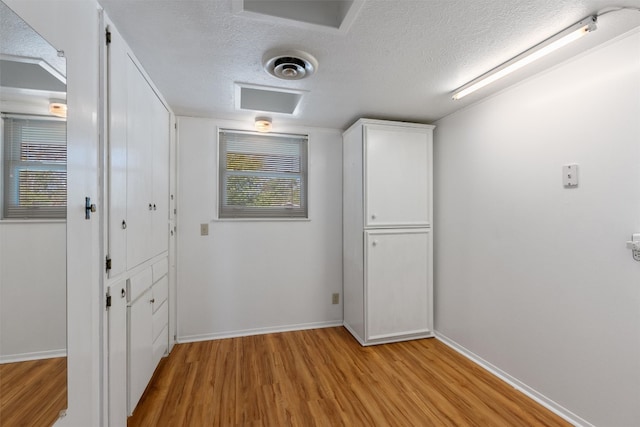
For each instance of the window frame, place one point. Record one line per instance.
(24, 213)
(226, 212)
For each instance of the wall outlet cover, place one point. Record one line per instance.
(570, 175)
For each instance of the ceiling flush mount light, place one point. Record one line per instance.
(290, 65)
(551, 44)
(58, 108)
(263, 124)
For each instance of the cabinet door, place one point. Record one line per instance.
(397, 176)
(117, 344)
(117, 159)
(139, 185)
(148, 132)
(160, 132)
(397, 283)
(141, 365)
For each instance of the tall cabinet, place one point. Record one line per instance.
(387, 208)
(139, 233)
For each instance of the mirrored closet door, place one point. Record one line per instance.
(33, 190)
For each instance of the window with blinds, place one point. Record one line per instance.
(34, 168)
(262, 175)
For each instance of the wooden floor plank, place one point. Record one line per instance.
(324, 377)
(33, 393)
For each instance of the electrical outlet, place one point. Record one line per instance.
(204, 229)
(335, 298)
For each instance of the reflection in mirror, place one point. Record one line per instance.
(33, 182)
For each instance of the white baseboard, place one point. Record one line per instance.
(37, 355)
(389, 339)
(517, 384)
(259, 331)
(353, 332)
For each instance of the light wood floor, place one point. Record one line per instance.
(33, 393)
(324, 377)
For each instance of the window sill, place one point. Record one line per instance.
(33, 221)
(262, 220)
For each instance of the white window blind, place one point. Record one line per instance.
(35, 168)
(262, 175)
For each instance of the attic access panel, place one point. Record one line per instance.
(267, 99)
(33, 75)
(337, 14)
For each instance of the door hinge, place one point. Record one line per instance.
(108, 264)
(108, 36)
(108, 300)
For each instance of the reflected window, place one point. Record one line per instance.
(35, 168)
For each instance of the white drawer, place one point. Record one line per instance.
(138, 283)
(160, 292)
(160, 320)
(160, 269)
(160, 346)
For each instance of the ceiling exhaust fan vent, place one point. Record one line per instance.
(290, 65)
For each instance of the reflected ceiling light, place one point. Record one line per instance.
(263, 124)
(551, 44)
(58, 108)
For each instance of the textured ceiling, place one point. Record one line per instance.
(400, 59)
(19, 39)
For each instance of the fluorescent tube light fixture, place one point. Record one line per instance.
(551, 44)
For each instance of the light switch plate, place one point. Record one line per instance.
(570, 175)
(204, 229)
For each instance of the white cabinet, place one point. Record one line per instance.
(139, 344)
(117, 353)
(139, 135)
(139, 131)
(387, 204)
(397, 179)
(148, 130)
(117, 154)
(148, 321)
(397, 283)
(140, 348)
(160, 310)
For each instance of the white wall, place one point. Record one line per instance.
(253, 276)
(33, 290)
(72, 25)
(530, 276)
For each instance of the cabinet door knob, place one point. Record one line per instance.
(154, 206)
(124, 224)
(373, 216)
(123, 293)
(153, 300)
(150, 206)
(374, 243)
